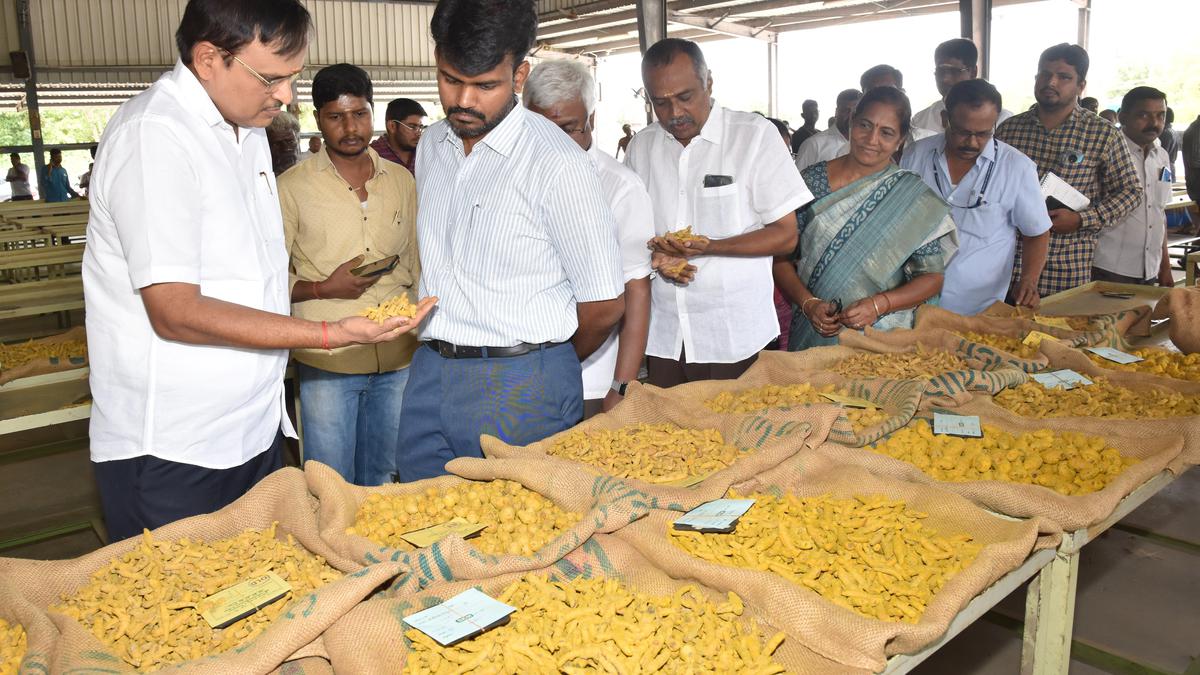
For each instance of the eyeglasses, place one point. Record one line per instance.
(270, 84)
(948, 71)
(981, 136)
(415, 128)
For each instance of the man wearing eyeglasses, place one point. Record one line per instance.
(186, 274)
(954, 61)
(994, 197)
(404, 123)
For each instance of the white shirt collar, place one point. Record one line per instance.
(195, 98)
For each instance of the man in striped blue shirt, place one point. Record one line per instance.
(516, 241)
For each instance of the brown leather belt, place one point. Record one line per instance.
(452, 351)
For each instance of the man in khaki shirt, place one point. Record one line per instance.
(344, 208)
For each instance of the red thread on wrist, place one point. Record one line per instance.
(324, 335)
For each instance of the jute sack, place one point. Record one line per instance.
(899, 398)
(1062, 357)
(604, 504)
(830, 630)
(1182, 307)
(1022, 500)
(296, 634)
(1115, 326)
(370, 639)
(47, 364)
(762, 442)
(929, 316)
(311, 665)
(41, 635)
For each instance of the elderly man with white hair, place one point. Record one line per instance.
(565, 93)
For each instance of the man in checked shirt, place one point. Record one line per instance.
(1082, 149)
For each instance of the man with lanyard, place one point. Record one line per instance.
(954, 61)
(564, 92)
(342, 208)
(1134, 251)
(1083, 150)
(834, 141)
(725, 174)
(994, 196)
(186, 275)
(517, 241)
(404, 122)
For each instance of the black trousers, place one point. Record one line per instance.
(148, 492)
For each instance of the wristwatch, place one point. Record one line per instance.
(619, 387)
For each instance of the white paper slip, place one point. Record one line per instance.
(719, 515)
(956, 425)
(1114, 355)
(1064, 379)
(466, 614)
(1059, 190)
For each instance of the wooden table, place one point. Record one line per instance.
(66, 234)
(57, 219)
(25, 264)
(22, 238)
(18, 210)
(32, 298)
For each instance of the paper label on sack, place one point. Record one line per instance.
(1065, 379)
(1053, 322)
(1035, 338)
(465, 615)
(850, 401)
(429, 536)
(690, 480)
(957, 425)
(719, 515)
(1115, 355)
(241, 600)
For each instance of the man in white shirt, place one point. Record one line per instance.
(515, 238)
(18, 179)
(954, 61)
(834, 141)
(186, 275)
(565, 93)
(725, 174)
(884, 75)
(994, 197)
(1134, 250)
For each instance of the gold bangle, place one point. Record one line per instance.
(804, 305)
(877, 314)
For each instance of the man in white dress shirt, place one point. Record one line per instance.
(1134, 251)
(834, 141)
(994, 197)
(725, 174)
(516, 240)
(565, 93)
(954, 61)
(186, 275)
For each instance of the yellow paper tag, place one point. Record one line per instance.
(431, 535)
(241, 600)
(1035, 338)
(1053, 321)
(690, 480)
(850, 401)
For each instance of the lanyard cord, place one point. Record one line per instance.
(987, 179)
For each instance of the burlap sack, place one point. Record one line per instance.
(935, 317)
(830, 630)
(1189, 427)
(978, 356)
(41, 635)
(1182, 307)
(370, 640)
(899, 398)
(1134, 321)
(282, 498)
(47, 365)
(1020, 500)
(606, 504)
(763, 441)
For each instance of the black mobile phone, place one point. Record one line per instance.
(376, 268)
(712, 180)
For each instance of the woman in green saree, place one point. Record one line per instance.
(876, 238)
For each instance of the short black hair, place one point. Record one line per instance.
(399, 108)
(959, 48)
(475, 36)
(232, 24)
(847, 95)
(1170, 115)
(55, 151)
(882, 70)
(664, 51)
(341, 79)
(14, 154)
(973, 93)
(889, 96)
(1141, 94)
(1073, 55)
(780, 126)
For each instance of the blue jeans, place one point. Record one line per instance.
(350, 422)
(518, 399)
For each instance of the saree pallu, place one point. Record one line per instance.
(873, 235)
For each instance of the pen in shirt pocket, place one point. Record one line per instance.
(267, 180)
